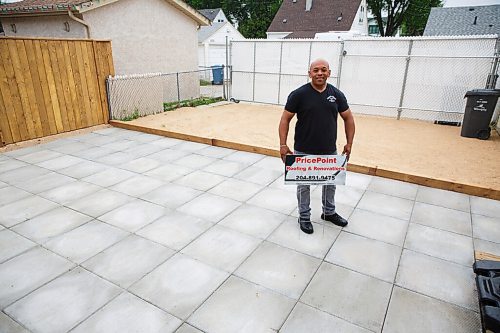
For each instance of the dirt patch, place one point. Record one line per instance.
(408, 146)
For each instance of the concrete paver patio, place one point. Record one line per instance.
(120, 231)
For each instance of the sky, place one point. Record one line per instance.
(459, 3)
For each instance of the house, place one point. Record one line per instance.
(470, 20)
(320, 19)
(147, 36)
(212, 39)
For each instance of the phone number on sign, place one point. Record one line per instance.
(314, 177)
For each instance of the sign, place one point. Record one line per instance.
(315, 169)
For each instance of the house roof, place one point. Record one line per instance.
(210, 13)
(323, 17)
(41, 7)
(471, 20)
(208, 31)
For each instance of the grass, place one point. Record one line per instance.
(133, 116)
(205, 83)
(191, 103)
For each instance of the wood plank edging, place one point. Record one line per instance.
(373, 171)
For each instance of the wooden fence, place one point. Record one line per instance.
(50, 86)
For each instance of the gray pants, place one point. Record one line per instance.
(304, 198)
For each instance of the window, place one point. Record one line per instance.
(1, 28)
(361, 14)
(373, 30)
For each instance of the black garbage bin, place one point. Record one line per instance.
(478, 112)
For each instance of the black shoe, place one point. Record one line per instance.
(306, 226)
(335, 219)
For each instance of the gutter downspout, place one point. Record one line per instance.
(74, 18)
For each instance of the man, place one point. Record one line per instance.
(317, 105)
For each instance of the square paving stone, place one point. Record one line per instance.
(194, 161)
(116, 159)
(185, 328)
(64, 302)
(442, 218)
(317, 244)
(200, 180)
(10, 164)
(45, 182)
(175, 230)
(28, 271)
(243, 157)
(109, 177)
(72, 148)
(427, 315)
(98, 203)
(277, 200)
(166, 142)
(179, 285)
(85, 241)
(134, 215)
(168, 172)
(253, 221)
(20, 175)
(189, 146)
(10, 326)
(128, 313)
(121, 145)
(137, 186)
(141, 165)
(486, 228)
(83, 169)
(11, 244)
(221, 247)
(60, 163)
(215, 152)
(484, 206)
(440, 244)
(10, 194)
(144, 149)
(51, 224)
(210, 207)
(99, 140)
(24, 209)
(225, 168)
(278, 268)
(145, 137)
(386, 205)
(393, 187)
(425, 275)
(365, 255)
(128, 260)
(94, 153)
(271, 163)
(67, 193)
(307, 319)
(355, 297)
(240, 306)
(24, 151)
(236, 189)
(168, 155)
(448, 199)
(358, 180)
(171, 195)
(39, 156)
(377, 226)
(258, 175)
(485, 246)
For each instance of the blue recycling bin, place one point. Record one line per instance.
(218, 74)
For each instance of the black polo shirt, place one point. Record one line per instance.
(317, 113)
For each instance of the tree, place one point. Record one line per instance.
(395, 10)
(417, 15)
(253, 16)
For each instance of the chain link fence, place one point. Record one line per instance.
(133, 96)
(422, 78)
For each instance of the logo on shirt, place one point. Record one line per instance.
(331, 99)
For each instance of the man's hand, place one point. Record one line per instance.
(347, 150)
(284, 150)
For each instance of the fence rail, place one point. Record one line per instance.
(51, 86)
(418, 78)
